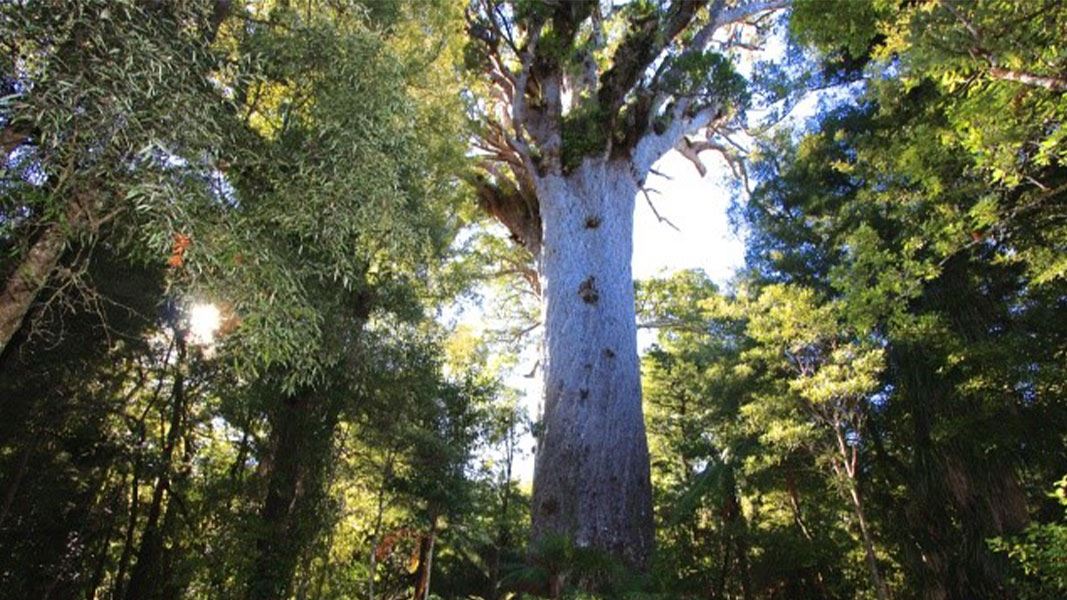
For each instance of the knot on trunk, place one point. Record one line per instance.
(592, 222)
(587, 291)
(549, 506)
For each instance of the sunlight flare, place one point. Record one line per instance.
(204, 321)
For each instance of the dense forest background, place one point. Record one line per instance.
(233, 236)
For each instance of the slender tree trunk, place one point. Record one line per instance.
(320, 581)
(719, 591)
(372, 569)
(868, 545)
(794, 504)
(131, 526)
(172, 587)
(16, 481)
(100, 567)
(379, 516)
(798, 518)
(119, 582)
(503, 536)
(422, 577)
(99, 552)
(738, 527)
(847, 468)
(591, 480)
(148, 576)
(26, 281)
(302, 431)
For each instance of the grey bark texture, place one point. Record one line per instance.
(591, 480)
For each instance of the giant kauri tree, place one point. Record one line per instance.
(583, 99)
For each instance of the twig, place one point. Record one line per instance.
(660, 217)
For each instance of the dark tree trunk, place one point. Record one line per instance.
(949, 511)
(503, 534)
(27, 279)
(148, 575)
(379, 517)
(738, 527)
(422, 576)
(119, 582)
(302, 428)
(16, 481)
(301, 432)
(100, 552)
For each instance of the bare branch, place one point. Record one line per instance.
(1053, 84)
(1049, 82)
(691, 151)
(659, 217)
(744, 12)
(661, 174)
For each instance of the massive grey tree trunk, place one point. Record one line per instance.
(562, 158)
(591, 480)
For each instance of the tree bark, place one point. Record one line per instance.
(148, 576)
(28, 278)
(503, 533)
(301, 439)
(379, 516)
(119, 580)
(591, 479)
(847, 468)
(16, 481)
(868, 545)
(422, 577)
(1053, 84)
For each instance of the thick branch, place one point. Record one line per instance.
(39, 264)
(645, 41)
(1054, 84)
(589, 77)
(1049, 82)
(691, 151)
(654, 145)
(546, 110)
(746, 11)
(506, 203)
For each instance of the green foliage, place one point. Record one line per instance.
(742, 501)
(896, 340)
(838, 25)
(709, 76)
(96, 104)
(965, 49)
(1039, 554)
(583, 133)
(570, 571)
